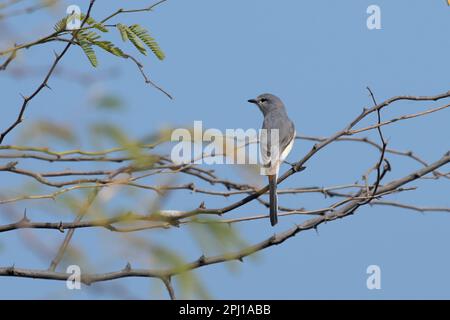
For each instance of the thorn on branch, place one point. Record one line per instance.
(87, 281)
(127, 267)
(297, 167)
(110, 227)
(60, 227)
(11, 270)
(167, 280)
(202, 259)
(11, 165)
(316, 228)
(173, 223)
(273, 239)
(25, 218)
(387, 165)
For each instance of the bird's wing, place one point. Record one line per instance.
(286, 132)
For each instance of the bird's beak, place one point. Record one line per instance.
(253, 101)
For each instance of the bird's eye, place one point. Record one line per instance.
(263, 100)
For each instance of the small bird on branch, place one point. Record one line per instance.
(276, 140)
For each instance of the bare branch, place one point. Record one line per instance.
(410, 207)
(405, 117)
(203, 261)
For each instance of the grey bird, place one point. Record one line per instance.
(276, 141)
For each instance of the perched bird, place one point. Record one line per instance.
(276, 141)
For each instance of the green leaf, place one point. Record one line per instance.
(136, 41)
(140, 38)
(110, 47)
(132, 148)
(143, 35)
(110, 102)
(90, 36)
(91, 21)
(61, 25)
(88, 51)
(123, 31)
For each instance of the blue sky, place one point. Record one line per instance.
(318, 56)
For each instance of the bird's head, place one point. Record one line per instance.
(268, 102)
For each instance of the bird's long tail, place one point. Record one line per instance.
(273, 199)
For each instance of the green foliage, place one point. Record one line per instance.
(110, 47)
(61, 24)
(123, 31)
(47, 131)
(213, 236)
(136, 41)
(88, 51)
(140, 38)
(109, 102)
(90, 36)
(87, 38)
(137, 35)
(189, 283)
(132, 148)
(148, 40)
